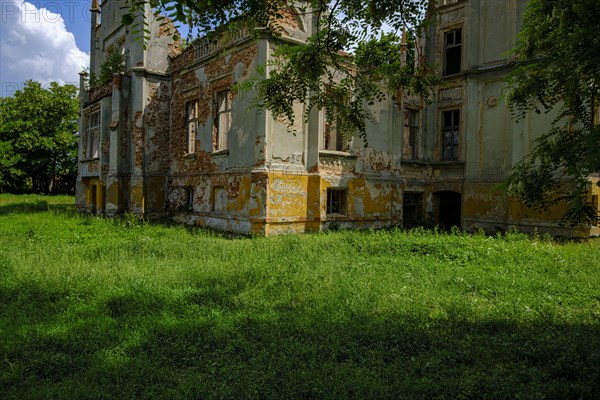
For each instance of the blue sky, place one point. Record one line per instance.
(42, 40)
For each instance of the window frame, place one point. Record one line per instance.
(410, 133)
(333, 137)
(92, 141)
(337, 201)
(191, 110)
(454, 130)
(225, 115)
(189, 197)
(448, 48)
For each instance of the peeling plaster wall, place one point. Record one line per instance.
(228, 186)
(273, 178)
(134, 144)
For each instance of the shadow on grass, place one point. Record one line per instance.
(37, 206)
(207, 345)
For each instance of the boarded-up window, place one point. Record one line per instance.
(92, 135)
(410, 134)
(222, 119)
(450, 134)
(452, 52)
(219, 199)
(192, 126)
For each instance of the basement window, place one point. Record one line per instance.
(452, 52)
(192, 126)
(336, 201)
(450, 134)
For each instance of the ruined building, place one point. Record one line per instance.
(168, 136)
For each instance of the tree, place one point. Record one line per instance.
(318, 73)
(558, 52)
(557, 68)
(38, 139)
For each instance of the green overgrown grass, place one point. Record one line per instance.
(101, 308)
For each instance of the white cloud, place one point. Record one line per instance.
(35, 44)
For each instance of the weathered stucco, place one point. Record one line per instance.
(265, 180)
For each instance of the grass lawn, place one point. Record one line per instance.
(95, 308)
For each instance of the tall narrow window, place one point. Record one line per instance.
(92, 135)
(410, 134)
(452, 52)
(450, 134)
(222, 119)
(192, 126)
(596, 207)
(334, 138)
(189, 198)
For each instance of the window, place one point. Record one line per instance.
(410, 134)
(333, 137)
(121, 51)
(222, 119)
(450, 134)
(412, 209)
(452, 52)
(92, 134)
(336, 201)
(192, 126)
(189, 198)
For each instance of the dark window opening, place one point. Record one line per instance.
(94, 205)
(410, 134)
(450, 134)
(412, 209)
(452, 52)
(189, 198)
(336, 201)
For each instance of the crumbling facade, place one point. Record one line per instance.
(169, 136)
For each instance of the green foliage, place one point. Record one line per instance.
(557, 53)
(311, 72)
(38, 139)
(92, 307)
(114, 63)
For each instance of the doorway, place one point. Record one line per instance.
(449, 207)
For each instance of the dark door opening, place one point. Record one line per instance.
(449, 210)
(94, 199)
